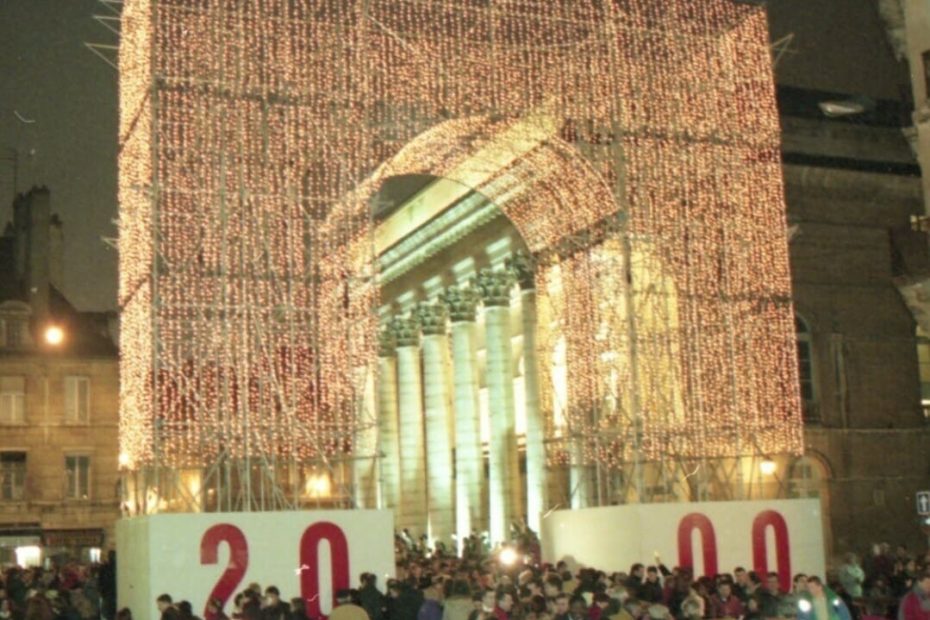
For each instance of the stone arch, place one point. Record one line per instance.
(563, 208)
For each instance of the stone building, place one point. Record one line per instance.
(59, 389)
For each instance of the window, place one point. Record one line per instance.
(11, 333)
(12, 400)
(77, 400)
(806, 368)
(12, 475)
(806, 478)
(923, 367)
(77, 471)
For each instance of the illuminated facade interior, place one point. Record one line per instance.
(283, 167)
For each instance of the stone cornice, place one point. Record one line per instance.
(469, 214)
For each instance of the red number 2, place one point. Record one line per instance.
(238, 558)
(310, 562)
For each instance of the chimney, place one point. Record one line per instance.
(55, 244)
(20, 234)
(37, 253)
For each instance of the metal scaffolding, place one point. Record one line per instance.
(634, 148)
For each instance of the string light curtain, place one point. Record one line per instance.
(634, 144)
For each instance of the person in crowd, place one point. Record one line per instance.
(741, 584)
(651, 590)
(186, 611)
(770, 596)
(851, 576)
(38, 608)
(370, 597)
(214, 610)
(106, 578)
(166, 607)
(124, 614)
(431, 607)
(821, 603)
(458, 604)
(915, 605)
(298, 609)
(346, 609)
(724, 603)
(635, 579)
(599, 605)
(561, 609)
(274, 608)
(405, 601)
(503, 605)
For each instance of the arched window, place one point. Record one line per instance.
(923, 366)
(806, 369)
(806, 478)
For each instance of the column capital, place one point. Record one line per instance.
(406, 330)
(523, 267)
(462, 302)
(494, 287)
(432, 318)
(386, 341)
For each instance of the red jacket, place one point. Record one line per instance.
(915, 605)
(730, 608)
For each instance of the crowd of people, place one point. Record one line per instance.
(514, 586)
(480, 586)
(70, 591)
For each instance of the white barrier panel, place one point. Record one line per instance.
(197, 556)
(783, 536)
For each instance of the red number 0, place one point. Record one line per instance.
(700, 522)
(760, 552)
(238, 558)
(310, 558)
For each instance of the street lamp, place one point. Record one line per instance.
(767, 466)
(54, 335)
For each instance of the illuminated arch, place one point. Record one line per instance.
(566, 213)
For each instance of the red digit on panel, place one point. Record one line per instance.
(760, 552)
(310, 563)
(238, 558)
(700, 522)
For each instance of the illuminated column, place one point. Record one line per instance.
(436, 405)
(502, 460)
(580, 485)
(410, 414)
(388, 438)
(469, 463)
(522, 267)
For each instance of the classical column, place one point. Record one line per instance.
(388, 437)
(413, 513)
(504, 494)
(436, 403)
(469, 463)
(536, 501)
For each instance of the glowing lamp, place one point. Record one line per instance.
(54, 335)
(507, 556)
(123, 459)
(767, 467)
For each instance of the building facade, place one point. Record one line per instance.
(59, 388)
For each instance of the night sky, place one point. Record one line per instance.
(49, 77)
